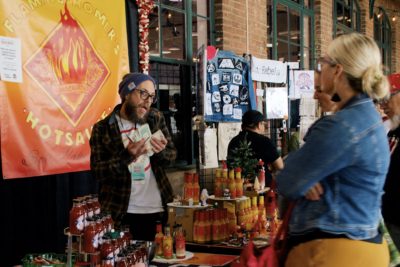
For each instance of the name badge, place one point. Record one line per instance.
(137, 171)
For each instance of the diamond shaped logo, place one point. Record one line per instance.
(68, 68)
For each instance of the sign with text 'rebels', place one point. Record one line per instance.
(70, 56)
(265, 70)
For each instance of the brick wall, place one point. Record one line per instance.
(231, 26)
(323, 25)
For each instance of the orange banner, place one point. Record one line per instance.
(71, 56)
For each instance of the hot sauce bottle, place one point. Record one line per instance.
(196, 189)
(180, 243)
(167, 243)
(159, 240)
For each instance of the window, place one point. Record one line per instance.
(177, 29)
(290, 31)
(346, 15)
(382, 36)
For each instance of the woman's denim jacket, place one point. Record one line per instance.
(348, 154)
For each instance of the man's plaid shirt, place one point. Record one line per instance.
(109, 163)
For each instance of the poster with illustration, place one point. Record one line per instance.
(304, 83)
(228, 92)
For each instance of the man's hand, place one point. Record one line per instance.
(136, 149)
(158, 144)
(315, 192)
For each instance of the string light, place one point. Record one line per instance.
(391, 13)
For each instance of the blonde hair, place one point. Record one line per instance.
(361, 60)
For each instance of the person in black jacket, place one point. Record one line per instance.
(253, 129)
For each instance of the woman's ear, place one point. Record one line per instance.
(338, 70)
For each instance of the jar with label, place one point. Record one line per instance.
(108, 221)
(90, 237)
(96, 204)
(76, 218)
(107, 249)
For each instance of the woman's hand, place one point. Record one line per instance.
(315, 192)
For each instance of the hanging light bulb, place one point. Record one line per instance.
(394, 18)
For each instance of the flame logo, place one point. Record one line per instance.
(68, 51)
(68, 68)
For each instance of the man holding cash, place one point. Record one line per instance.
(129, 150)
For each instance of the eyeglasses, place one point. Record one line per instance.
(386, 99)
(144, 95)
(324, 60)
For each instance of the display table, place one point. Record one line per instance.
(204, 259)
(216, 248)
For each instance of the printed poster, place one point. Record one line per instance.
(276, 103)
(10, 59)
(226, 131)
(303, 83)
(73, 55)
(210, 149)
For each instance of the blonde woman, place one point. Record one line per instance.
(342, 166)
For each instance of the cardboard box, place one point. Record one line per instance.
(185, 216)
(222, 203)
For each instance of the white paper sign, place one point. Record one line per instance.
(276, 103)
(10, 59)
(210, 148)
(207, 104)
(226, 131)
(265, 70)
(294, 65)
(292, 92)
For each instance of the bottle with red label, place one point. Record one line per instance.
(196, 189)
(188, 188)
(239, 182)
(167, 243)
(159, 240)
(261, 174)
(180, 243)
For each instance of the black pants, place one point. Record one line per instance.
(143, 226)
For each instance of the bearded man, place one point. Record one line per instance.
(133, 186)
(391, 197)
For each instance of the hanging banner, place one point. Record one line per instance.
(265, 70)
(72, 57)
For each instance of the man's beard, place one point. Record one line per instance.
(131, 113)
(394, 122)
